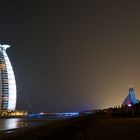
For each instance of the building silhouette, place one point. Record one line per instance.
(131, 98)
(7, 81)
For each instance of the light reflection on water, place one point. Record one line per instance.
(12, 123)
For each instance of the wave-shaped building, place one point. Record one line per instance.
(131, 98)
(7, 81)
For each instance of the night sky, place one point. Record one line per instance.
(72, 55)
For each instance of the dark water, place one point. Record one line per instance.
(6, 124)
(12, 123)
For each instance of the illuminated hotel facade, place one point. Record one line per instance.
(7, 81)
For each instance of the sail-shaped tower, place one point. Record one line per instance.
(131, 98)
(7, 81)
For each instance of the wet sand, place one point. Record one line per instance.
(82, 128)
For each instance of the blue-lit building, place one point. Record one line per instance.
(7, 81)
(131, 98)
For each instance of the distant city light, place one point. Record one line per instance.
(68, 114)
(41, 113)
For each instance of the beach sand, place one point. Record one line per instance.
(112, 129)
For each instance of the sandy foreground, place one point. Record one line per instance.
(113, 129)
(81, 128)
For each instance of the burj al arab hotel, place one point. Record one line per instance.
(7, 81)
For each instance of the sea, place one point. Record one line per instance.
(15, 123)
